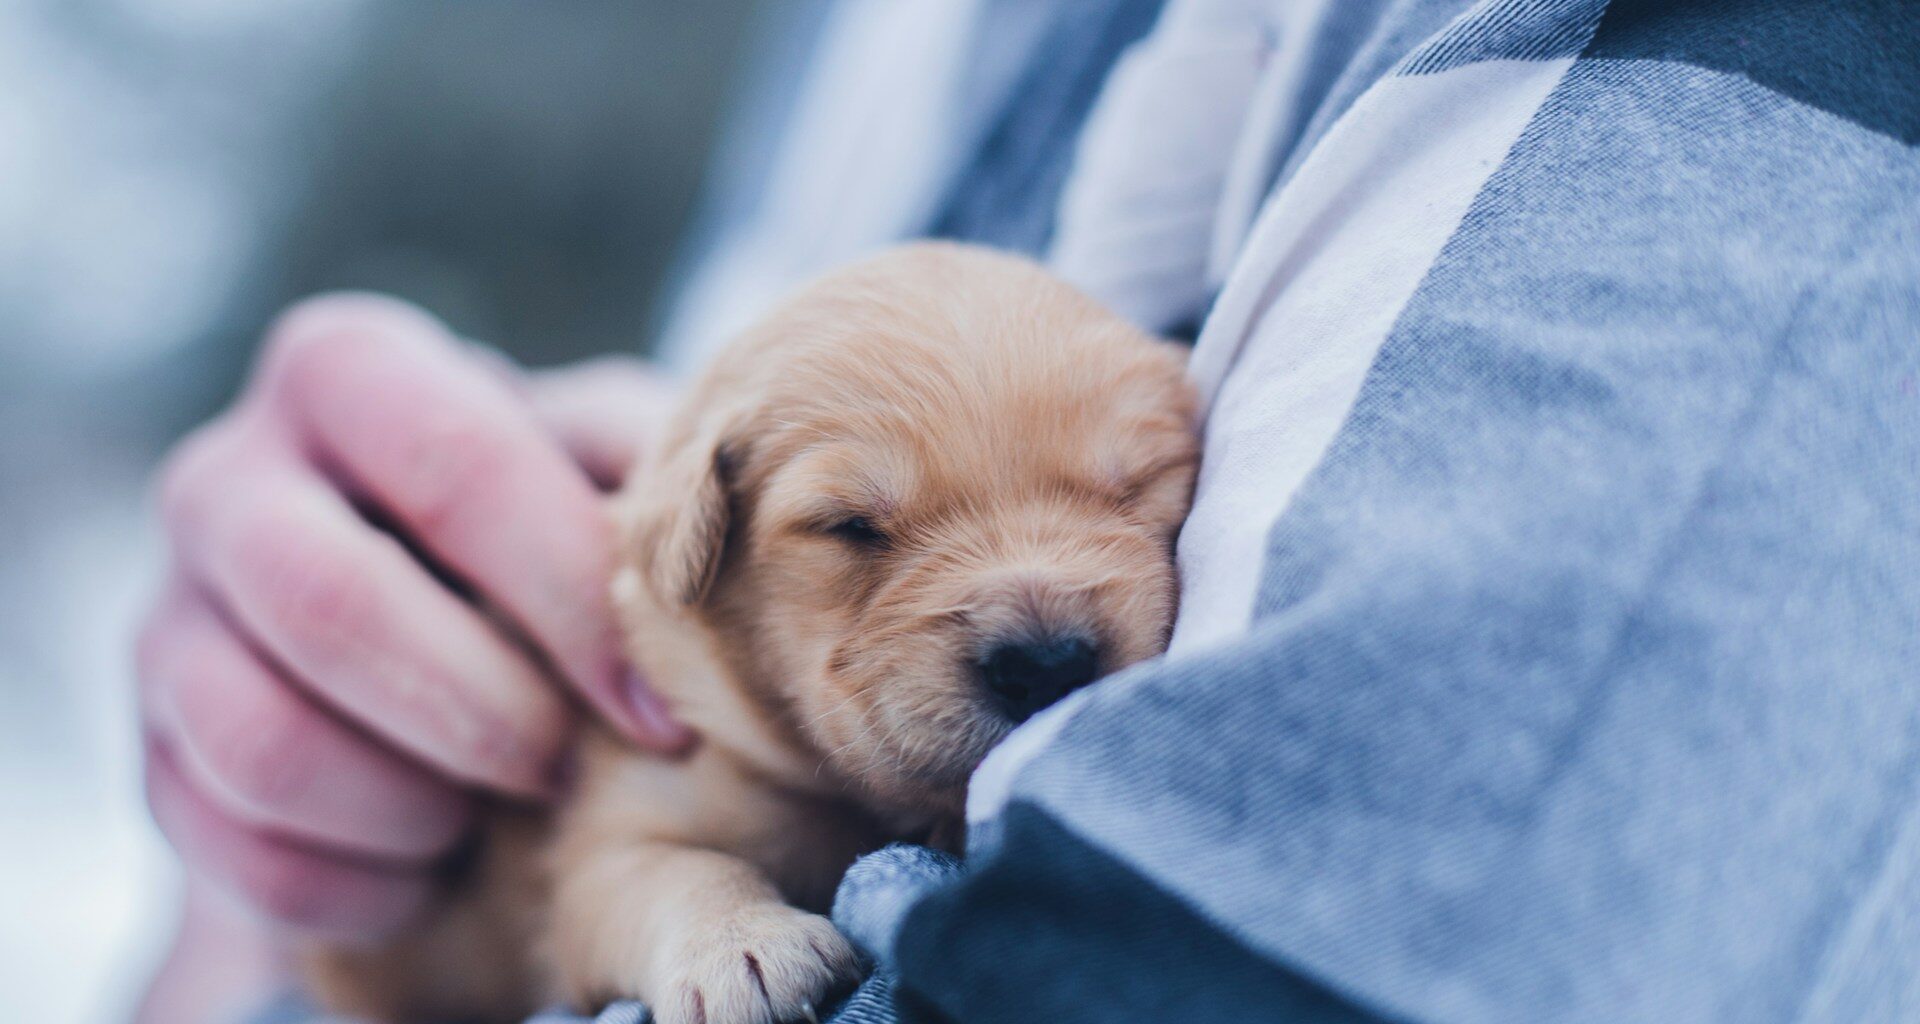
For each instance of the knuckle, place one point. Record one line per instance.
(299, 360)
(319, 600)
(263, 755)
(162, 661)
(255, 742)
(311, 594)
(290, 891)
(196, 465)
(319, 337)
(449, 465)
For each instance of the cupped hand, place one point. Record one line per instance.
(387, 594)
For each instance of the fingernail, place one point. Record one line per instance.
(651, 715)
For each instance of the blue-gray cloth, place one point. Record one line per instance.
(1024, 114)
(1584, 684)
(1584, 681)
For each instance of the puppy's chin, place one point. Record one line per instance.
(913, 756)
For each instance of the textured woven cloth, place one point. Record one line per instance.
(1549, 646)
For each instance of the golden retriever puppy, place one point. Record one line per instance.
(924, 499)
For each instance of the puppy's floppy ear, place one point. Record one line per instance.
(677, 511)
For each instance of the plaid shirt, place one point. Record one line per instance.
(1550, 638)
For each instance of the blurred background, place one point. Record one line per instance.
(171, 173)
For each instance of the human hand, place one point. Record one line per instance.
(389, 567)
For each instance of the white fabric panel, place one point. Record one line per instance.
(1137, 216)
(1329, 265)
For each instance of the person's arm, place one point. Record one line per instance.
(386, 593)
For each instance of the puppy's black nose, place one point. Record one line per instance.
(1027, 675)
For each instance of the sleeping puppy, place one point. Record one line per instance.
(927, 497)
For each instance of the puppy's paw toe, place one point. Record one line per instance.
(771, 965)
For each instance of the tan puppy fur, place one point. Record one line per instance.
(911, 464)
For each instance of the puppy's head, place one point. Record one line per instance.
(929, 496)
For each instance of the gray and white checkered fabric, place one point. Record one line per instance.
(1550, 637)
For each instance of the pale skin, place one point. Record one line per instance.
(320, 705)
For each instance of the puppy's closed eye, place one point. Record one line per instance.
(923, 500)
(858, 531)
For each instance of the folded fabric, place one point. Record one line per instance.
(1551, 600)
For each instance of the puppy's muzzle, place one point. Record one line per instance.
(1024, 676)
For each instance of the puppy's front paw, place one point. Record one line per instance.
(763, 965)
